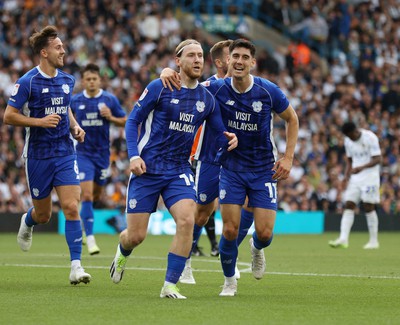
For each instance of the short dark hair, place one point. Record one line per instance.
(348, 128)
(241, 42)
(92, 67)
(39, 40)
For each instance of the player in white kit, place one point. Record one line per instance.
(363, 181)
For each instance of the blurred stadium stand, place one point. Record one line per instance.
(352, 73)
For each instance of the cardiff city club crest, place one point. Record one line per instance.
(132, 203)
(257, 106)
(203, 197)
(65, 88)
(200, 106)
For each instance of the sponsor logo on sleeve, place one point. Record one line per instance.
(143, 95)
(15, 89)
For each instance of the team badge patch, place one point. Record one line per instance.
(203, 197)
(200, 106)
(65, 88)
(257, 106)
(35, 192)
(222, 194)
(132, 203)
(15, 90)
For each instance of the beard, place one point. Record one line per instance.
(193, 74)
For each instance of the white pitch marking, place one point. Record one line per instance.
(248, 270)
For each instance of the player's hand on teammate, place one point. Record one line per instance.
(78, 133)
(137, 166)
(282, 168)
(233, 140)
(170, 78)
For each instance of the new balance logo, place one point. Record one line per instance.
(174, 101)
(77, 240)
(45, 90)
(230, 102)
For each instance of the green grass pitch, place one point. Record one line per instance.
(307, 282)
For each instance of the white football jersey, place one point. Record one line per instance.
(361, 151)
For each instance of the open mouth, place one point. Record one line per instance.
(239, 69)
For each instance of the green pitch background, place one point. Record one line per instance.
(307, 282)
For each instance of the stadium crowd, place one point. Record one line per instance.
(349, 71)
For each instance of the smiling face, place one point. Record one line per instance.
(54, 53)
(241, 62)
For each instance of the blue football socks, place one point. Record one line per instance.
(87, 216)
(175, 267)
(228, 252)
(73, 235)
(246, 220)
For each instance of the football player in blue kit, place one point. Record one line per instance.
(208, 169)
(95, 110)
(248, 104)
(40, 102)
(159, 161)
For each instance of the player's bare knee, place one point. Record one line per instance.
(133, 240)
(70, 210)
(201, 219)
(369, 207)
(264, 235)
(230, 232)
(185, 222)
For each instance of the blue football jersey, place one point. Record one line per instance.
(207, 148)
(169, 121)
(97, 128)
(250, 116)
(36, 95)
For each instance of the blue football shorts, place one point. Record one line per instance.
(144, 191)
(93, 169)
(260, 188)
(44, 174)
(207, 182)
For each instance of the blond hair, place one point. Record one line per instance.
(179, 49)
